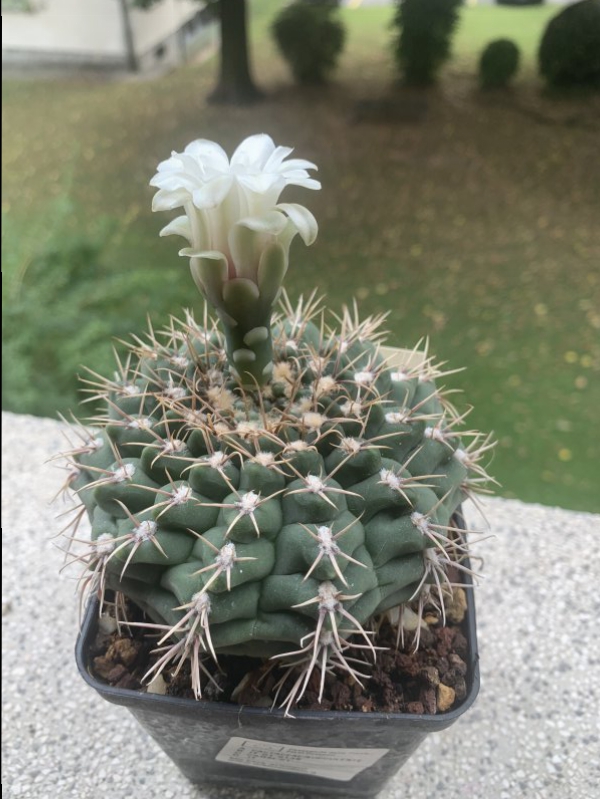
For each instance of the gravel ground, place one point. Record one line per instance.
(533, 732)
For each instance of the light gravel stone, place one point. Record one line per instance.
(532, 733)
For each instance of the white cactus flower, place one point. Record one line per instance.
(239, 236)
(232, 215)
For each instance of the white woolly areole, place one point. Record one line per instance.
(325, 385)
(105, 544)
(314, 420)
(304, 405)
(130, 389)
(398, 377)
(220, 398)
(351, 445)
(432, 554)
(317, 364)
(314, 483)
(420, 521)
(462, 456)
(226, 557)
(140, 424)
(298, 446)
(247, 429)
(364, 378)
(326, 540)
(181, 361)
(145, 531)
(433, 433)
(396, 417)
(194, 418)
(264, 458)
(180, 495)
(247, 504)
(174, 392)
(391, 479)
(215, 376)
(201, 602)
(217, 460)
(123, 473)
(328, 596)
(350, 408)
(283, 372)
(172, 445)
(221, 429)
(96, 443)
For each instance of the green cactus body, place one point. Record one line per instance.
(257, 521)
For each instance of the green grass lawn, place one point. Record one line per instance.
(477, 227)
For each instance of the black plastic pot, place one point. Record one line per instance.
(335, 753)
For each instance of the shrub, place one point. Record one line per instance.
(423, 41)
(499, 63)
(310, 38)
(569, 53)
(80, 300)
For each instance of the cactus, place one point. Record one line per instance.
(280, 512)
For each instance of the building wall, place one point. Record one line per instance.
(158, 23)
(91, 32)
(72, 27)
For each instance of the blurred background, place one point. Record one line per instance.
(458, 148)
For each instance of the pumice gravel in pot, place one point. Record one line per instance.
(273, 483)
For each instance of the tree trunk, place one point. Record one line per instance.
(132, 62)
(235, 85)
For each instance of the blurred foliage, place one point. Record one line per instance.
(477, 228)
(69, 307)
(498, 64)
(569, 53)
(311, 38)
(423, 40)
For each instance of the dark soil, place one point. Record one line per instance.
(431, 680)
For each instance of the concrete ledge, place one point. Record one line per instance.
(532, 733)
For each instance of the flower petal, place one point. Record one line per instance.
(165, 200)
(271, 271)
(254, 151)
(261, 182)
(304, 221)
(210, 271)
(180, 226)
(297, 163)
(272, 222)
(296, 178)
(250, 236)
(206, 150)
(276, 158)
(212, 194)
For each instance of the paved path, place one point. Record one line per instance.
(532, 734)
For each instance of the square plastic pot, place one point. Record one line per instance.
(333, 753)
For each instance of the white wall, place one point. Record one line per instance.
(75, 27)
(91, 27)
(162, 20)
